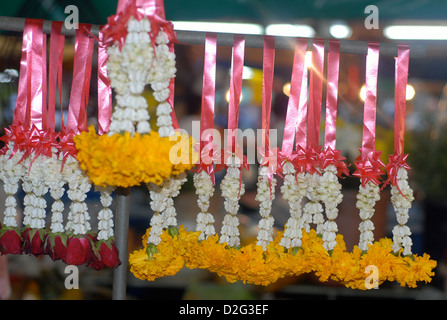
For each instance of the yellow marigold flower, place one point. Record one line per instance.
(125, 161)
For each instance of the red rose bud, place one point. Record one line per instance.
(33, 241)
(96, 263)
(109, 254)
(56, 246)
(79, 251)
(10, 241)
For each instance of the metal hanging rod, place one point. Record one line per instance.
(226, 39)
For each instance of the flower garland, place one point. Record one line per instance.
(204, 190)
(252, 264)
(293, 190)
(34, 213)
(367, 197)
(131, 154)
(331, 196)
(12, 171)
(265, 195)
(401, 198)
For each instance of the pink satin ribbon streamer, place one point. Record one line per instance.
(295, 117)
(208, 90)
(57, 41)
(369, 165)
(237, 64)
(267, 85)
(315, 93)
(31, 96)
(401, 79)
(208, 155)
(369, 115)
(333, 67)
(104, 90)
(77, 116)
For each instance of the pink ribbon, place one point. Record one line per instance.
(237, 64)
(31, 96)
(315, 93)
(77, 116)
(207, 114)
(57, 41)
(330, 155)
(398, 159)
(269, 156)
(295, 122)
(369, 166)
(333, 67)
(104, 89)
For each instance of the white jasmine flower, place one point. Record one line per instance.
(366, 200)
(232, 188)
(402, 201)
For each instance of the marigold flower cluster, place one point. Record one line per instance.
(125, 161)
(252, 264)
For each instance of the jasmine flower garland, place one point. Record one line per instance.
(265, 195)
(160, 76)
(11, 173)
(78, 187)
(204, 190)
(232, 189)
(331, 197)
(105, 215)
(55, 183)
(366, 199)
(401, 198)
(35, 204)
(163, 206)
(128, 70)
(313, 210)
(293, 190)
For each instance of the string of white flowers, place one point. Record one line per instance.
(105, 215)
(232, 188)
(34, 211)
(11, 173)
(160, 75)
(402, 201)
(293, 191)
(331, 196)
(78, 186)
(265, 195)
(173, 185)
(313, 210)
(367, 197)
(55, 183)
(204, 190)
(162, 204)
(128, 70)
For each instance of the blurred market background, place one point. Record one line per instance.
(426, 140)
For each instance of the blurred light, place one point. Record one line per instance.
(340, 31)
(227, 96)
(227, 27)
(308, 59)
(416, 32)
(290, 30)
(286, 88)
(247, 73)
(410, 93)
(363, 93)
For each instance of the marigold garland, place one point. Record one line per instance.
(252, 264)
(124, 161)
